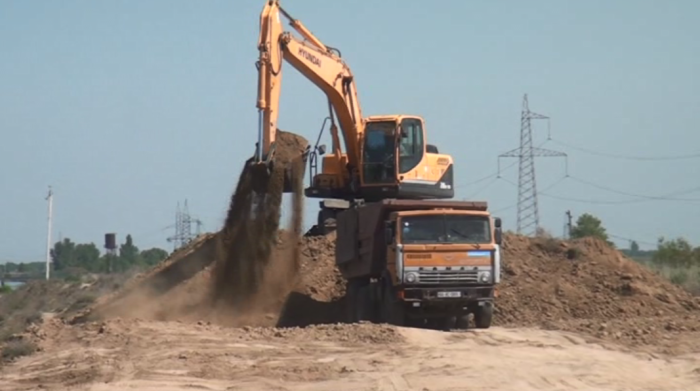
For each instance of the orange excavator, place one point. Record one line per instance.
(384, 156)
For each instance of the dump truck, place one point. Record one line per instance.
(419, 263)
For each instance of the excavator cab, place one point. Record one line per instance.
(398, 163)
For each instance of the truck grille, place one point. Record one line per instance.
(447, 276)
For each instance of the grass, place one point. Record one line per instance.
(688, 278)
(685, 277)
(5, 289)
(17, 348)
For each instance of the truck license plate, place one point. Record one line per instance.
(449, 294)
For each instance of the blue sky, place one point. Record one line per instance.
(127, 108)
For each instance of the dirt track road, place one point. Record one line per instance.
(140, 355)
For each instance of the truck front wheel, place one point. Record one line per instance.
(483, 315)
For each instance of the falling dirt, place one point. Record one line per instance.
(244, 280)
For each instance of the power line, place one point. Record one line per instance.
(662, 198)
(495, 174)
(486, 186)
(631, 240)
(693, 155)
(641, 198)
(555, 183)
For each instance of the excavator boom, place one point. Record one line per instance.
(316, 62)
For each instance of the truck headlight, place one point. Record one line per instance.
(411, 277)
(484, 277)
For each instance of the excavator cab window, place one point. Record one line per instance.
(379, 155)
(412, 146)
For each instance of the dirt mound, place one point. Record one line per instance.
(138, 295)
(584, 285)
(547, 279)
(26, 304)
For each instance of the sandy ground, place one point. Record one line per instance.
(147, 355)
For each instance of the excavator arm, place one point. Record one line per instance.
(318, 63)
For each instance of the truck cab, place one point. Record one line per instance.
(444, 261)
(431, 263)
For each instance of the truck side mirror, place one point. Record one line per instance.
(389, 233)
(322, 149)
(498, 231)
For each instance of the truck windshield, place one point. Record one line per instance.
(460, 229)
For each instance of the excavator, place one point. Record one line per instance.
(384, 156)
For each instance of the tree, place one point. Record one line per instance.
(588, 225)
(128, 255)
(87, 256)
(153, 256)
(67, 254)
(128, 252)
(62, 254)
(634, 248)
(676, 253)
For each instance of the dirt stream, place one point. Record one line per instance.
(258, 307)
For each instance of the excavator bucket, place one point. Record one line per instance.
(289, 154)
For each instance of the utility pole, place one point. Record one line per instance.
(569, 226)
(49, 198)
(528, 208)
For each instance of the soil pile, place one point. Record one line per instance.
(138, 295)
(585, 285)
(26, 304)
(582, 285)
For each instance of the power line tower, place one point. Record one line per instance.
(175, 239)
(183, 227)
(528, 208)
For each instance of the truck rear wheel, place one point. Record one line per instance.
(394, 313)
(351, 302)
(483, 315)
(365, 304)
